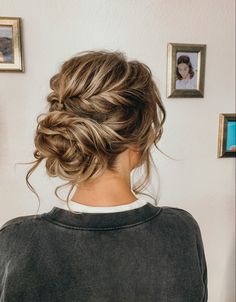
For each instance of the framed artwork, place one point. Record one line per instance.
(11, 57)
(185, 70)
(227, 135)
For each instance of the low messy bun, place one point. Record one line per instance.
(99, 105)
(73, 146)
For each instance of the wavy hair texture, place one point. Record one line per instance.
(100, 104)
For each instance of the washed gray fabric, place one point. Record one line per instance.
(148, 254)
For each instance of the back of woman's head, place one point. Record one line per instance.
(100, 105)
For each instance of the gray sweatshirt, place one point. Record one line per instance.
(145, 254)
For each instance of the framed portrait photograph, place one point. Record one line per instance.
(185, 70)
(227, 135)
(11, 56)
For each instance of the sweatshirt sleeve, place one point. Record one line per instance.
(3, 263)
(201, 254)
(202, 260)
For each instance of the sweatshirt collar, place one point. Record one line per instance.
(102, 221)
(79, 207)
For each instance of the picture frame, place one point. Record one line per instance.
(11, 53)
(185, 70)
(227, 135)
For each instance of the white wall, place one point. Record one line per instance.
(54, 30)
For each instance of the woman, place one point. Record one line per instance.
(108, 243)
(186, 77)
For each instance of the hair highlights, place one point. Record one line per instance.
(100, 104)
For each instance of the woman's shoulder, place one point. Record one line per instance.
(176, 211)
(181, 216)
(19, 220)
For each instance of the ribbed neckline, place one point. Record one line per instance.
(79, 207)
(102, 221)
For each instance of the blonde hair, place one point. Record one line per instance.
(100, 104)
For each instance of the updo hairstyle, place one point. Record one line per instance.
(100, 104)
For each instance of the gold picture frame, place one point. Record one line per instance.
(11, 53)
(227, 135)
(185, 70)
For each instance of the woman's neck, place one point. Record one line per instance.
(107, 190)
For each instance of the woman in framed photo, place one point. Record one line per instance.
(185, 75)
(107, 243)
